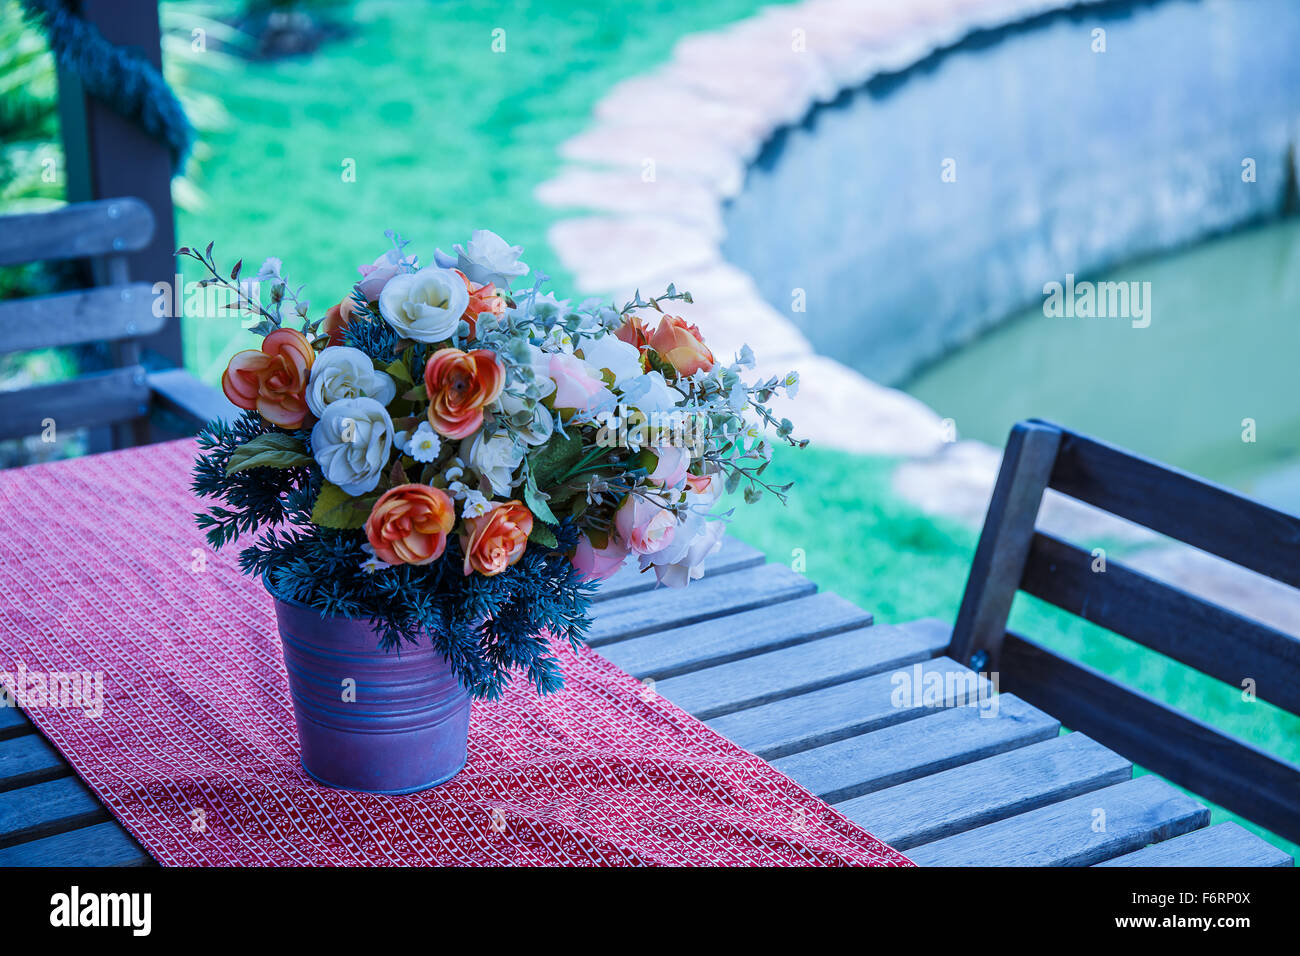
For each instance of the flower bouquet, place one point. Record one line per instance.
(437, 472)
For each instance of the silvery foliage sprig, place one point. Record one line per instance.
(269, 319)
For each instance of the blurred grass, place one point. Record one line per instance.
(858, 538)
(446, 136)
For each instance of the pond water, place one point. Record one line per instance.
(917, 220)
(1223, 347)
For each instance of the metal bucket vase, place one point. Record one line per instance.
(368, 719)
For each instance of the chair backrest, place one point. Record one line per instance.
(113, 310)
(1013, 556)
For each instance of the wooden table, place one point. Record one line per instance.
(803, 679)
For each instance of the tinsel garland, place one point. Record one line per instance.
(122, 78)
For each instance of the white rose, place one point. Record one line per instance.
(342, 372)
(425, 306)
(486, 258)
(535, 428)
(352, 442)
(612, 354)
(496, 459)
(683, 560)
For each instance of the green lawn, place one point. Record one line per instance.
(448, 136)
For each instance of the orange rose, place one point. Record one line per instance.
(482, 298)
(273, 380)
(337, 319)
(681, 345)
(460, 384)
(633, 332)
(409, 524)
(497, 539)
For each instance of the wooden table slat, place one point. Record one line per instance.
(724, 639)
(975, 794)
(1226, 844)
(104, 844)
(823, 716)
(917, 748)
(651, 611)
(27, 760)
(1077, 832)
(13, 723)
(788, 672)
(44, 809)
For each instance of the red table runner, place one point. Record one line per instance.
(103, 571)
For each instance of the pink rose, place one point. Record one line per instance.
(577, 385)
(646, 526)
(670, 466)
(376, 275)
(683, 562)
(596, 564)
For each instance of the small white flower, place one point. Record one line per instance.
(475, 505)
(425, 444)
(374, 562)
(271, 267)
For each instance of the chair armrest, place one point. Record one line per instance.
(177, 392)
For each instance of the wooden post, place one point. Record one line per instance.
(999, 562)
(108, 155)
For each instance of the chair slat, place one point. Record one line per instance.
(823, 716)
(45, 809)
(983, 792)
(102, 398)
(1206, 761)
(104, 844)
(723, 639)
(779, 674)
(636, 614)
(104, 313)
(1074, 832)
(1226, 844)
(1210, 638)
(1182, 506)
(916, 748)
(77, 231)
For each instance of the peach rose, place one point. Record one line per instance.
(337, 318)
(496, 539)
(272, 380)
(409, 524)
(633, 332)
(460, 384)
(681, 345)
(482, 298)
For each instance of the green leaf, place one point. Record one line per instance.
(543, 535)
(272, 450)
(400, 373)
(335, 508)
(536, 503)
(550, 463)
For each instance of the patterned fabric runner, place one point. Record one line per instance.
(102, 570)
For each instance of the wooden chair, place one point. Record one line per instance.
(118, 403)
(1013, 556)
